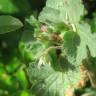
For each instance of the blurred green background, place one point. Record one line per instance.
(13, 75)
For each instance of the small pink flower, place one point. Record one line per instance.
(43, 28)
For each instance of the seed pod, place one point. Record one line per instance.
(56, 37)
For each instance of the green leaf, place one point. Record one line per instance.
(34, 23)
(9, 24)
(90, 92)
(32, 50)
(8, 6)
(93, 24)
(15, 7)
(13, 65)
(62, 11)
(77, 44)
(54, 78)
(87, 41)
(71, 43)
(25, 93)
(21, 75)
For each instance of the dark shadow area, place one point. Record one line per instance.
(62, 65)
(9, 46)
(37, 4)
(90, 6)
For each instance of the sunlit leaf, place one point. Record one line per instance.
(62, 11)
(53, 79)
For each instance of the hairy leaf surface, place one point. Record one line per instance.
(57, 11)
(54, 78)
(77, 44)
